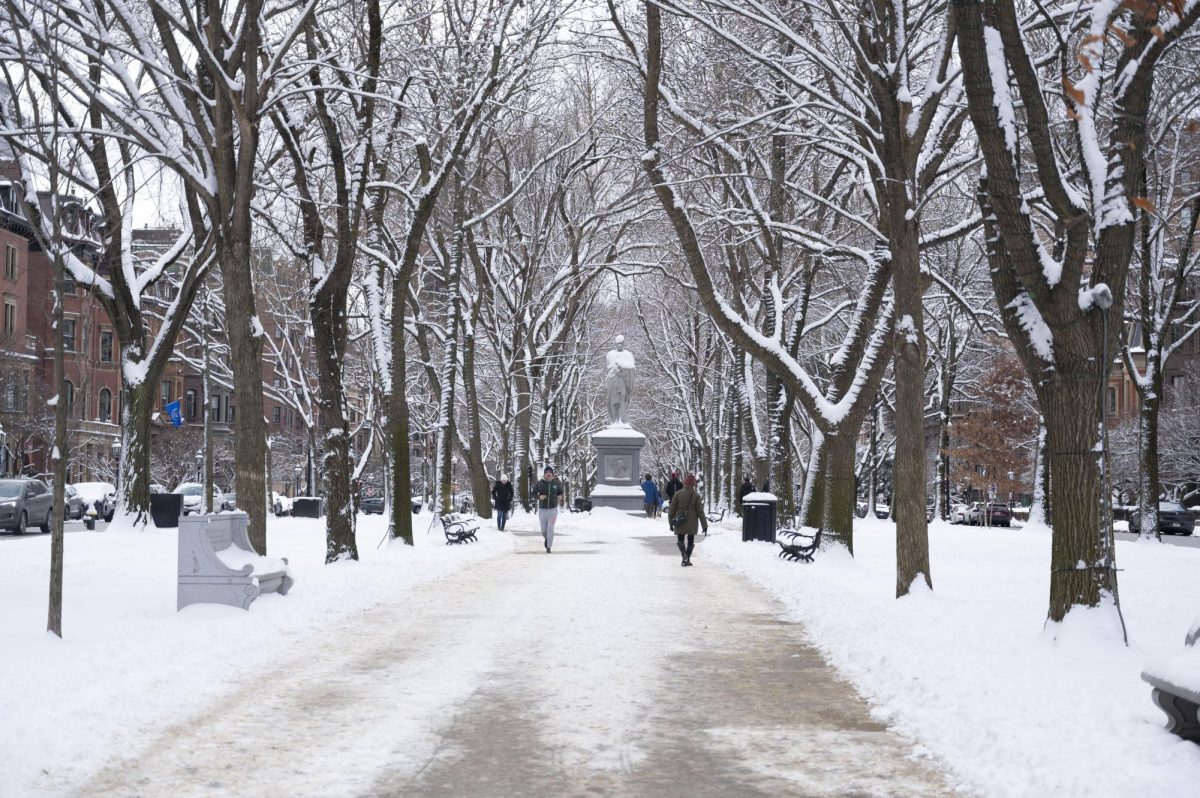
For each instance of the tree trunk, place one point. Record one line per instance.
(837, 488)
(328, 313)
(136, 412)
(1151, 486)
(62, 450)
(397, 424)
(481, 491)
(1079, 572)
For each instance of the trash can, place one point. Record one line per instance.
(165, 509)
(583, 505)
(758, 517)
(308, 507)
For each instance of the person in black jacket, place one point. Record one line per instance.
(673, 485)
(549, 492)
(745, 490)
(502, 498)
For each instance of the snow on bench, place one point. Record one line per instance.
(459, 528)
(1176, 683)
(217, 564)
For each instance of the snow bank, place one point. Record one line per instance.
(969, 672)
(130, 665)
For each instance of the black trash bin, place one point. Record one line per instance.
(165, 509)
(583, 505)
(308, 507)
(758, 517)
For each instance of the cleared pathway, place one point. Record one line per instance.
(602, 669)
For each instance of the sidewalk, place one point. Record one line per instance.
(603, 668)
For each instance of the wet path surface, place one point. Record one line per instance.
(601, 669)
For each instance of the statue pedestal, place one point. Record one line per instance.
(618, 468)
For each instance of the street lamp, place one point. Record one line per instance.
(116, 453)
(296, 487)
(200, 466)
(3, 453)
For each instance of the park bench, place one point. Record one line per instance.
(459, 529)
(717, 515)
(217, 564)
(797, 549)
(1176, 686)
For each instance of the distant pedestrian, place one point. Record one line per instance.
(549, 497)
(745, 490)
(673, 484)
(685, 513)
(502, 497)
(653, 500)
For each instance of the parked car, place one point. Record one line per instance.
(999, 514)
(25, 503)
(193, 497)
(1173, 519)
(73, 505)
(100, 495)
(958, 513)
(280, 504)
(229, 501)
(372, 505)
(156, 488)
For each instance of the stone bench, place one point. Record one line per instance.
(1176, 683)
(217, 564)
(459, 529)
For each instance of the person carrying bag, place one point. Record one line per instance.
(686, 513)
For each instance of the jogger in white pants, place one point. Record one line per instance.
(549, 493)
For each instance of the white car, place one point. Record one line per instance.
(280, 504)
(193, 498)
(101, 495)
(958, 514)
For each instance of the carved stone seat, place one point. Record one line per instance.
(217, 564)
(1176, 683)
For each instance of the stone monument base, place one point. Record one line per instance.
(618, 468)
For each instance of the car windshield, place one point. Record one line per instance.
(10, 489)
(1171, 507)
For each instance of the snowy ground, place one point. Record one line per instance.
(129, 665)
(969, 672)
(601, 669)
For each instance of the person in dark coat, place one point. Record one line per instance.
(673, 484)
(653, 500)
(745, 490)
(502, 498)
(549, 492)
(688, 508)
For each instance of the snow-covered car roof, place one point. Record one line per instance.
(91, 491)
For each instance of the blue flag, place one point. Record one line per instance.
(174, 411)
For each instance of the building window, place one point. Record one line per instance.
(10, 262)
(230, 411)
(275, 414)
(216, 408)
(165, 391)
(104, 405)
(70, 392)
(1178, 380)
(1110, 400)
(189, 405)
(10, 317)
(69, 335)
(106, 346)
(68, 284)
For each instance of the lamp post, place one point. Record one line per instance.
(116, 453)
(3, 453)
(298, 470)
(1011, 476)
(200, 466)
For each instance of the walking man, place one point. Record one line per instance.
(653, 500)
(502, 498)
(549, 497)
(673, 485)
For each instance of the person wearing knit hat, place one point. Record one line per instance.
(502, 499)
